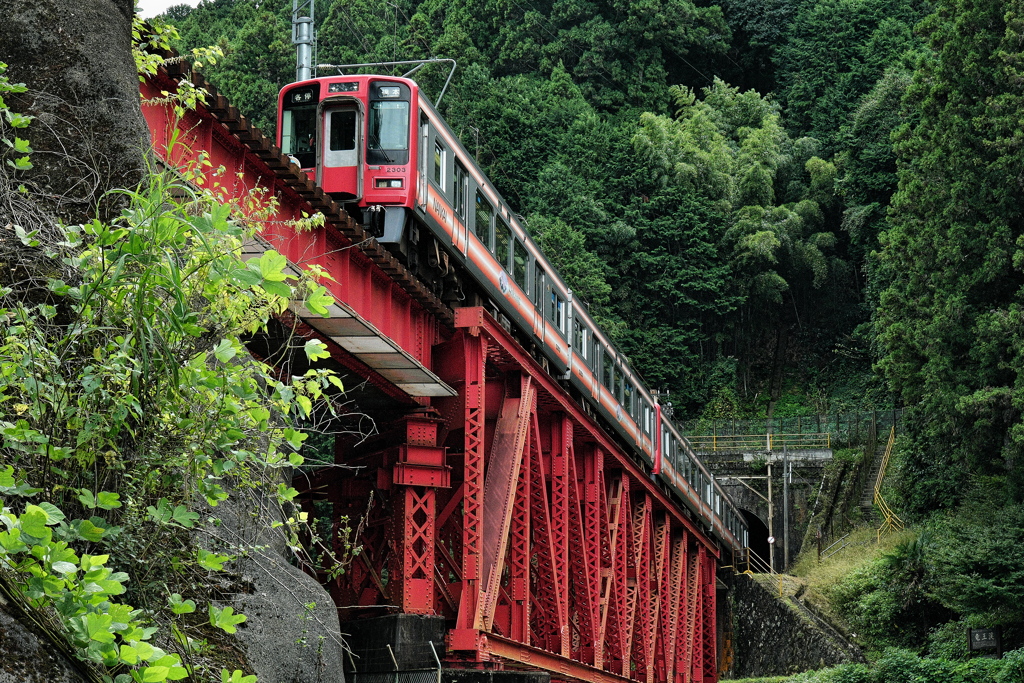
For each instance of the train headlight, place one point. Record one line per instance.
(389, 91)
(387, 182)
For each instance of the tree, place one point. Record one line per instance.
(834, 53)
(949, 316)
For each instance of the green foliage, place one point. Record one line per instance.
(122, 393)
(888, 602)
(903, 666)
(224, 618)
(49, 575)
(13, 120)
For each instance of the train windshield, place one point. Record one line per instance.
(389, 131)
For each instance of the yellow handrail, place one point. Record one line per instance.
(890, 521)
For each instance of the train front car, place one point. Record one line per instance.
(356, 136)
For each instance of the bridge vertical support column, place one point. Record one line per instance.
(710, 640)
(660, 586)
(466, 635)
(697, 596)
(674, 625)
(641, 591)
(595, 514)
(521, 555)
(561, 452)
(418, 471)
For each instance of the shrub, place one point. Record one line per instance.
(1013, 667)
(903, 666)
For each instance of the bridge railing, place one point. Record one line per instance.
(759, 442)
(843, 429)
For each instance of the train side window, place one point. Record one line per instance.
(502, 238)
(606, 371)
(538, 287)
(579, 338)
(627, 398)
(484, 213)
(440, 159)
(618, 385)
(461, 190)
(556, 311)
(520, 259)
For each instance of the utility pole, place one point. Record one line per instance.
(785, 507)
(771, 517)
(302, 38)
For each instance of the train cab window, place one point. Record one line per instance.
(606, 371)
(520, 259)
(502, 239)
(298, 124)
(461, 190)
(440, 159)
(484, 213)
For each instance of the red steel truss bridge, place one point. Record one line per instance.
(500, 507)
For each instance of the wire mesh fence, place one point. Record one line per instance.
(839, 430)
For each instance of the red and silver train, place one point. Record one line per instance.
(378, 146)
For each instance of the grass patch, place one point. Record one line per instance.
(862, 548)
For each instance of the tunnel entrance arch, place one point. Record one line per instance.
(758, 538)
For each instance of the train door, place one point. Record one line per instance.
(341, 172)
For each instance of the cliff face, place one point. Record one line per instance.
(88, 135)
(29, 656)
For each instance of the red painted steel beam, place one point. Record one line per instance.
(536, 658)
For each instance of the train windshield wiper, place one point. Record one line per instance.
(374, 140)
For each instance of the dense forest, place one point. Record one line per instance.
(775, 207)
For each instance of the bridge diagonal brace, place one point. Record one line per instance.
(499, 494)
